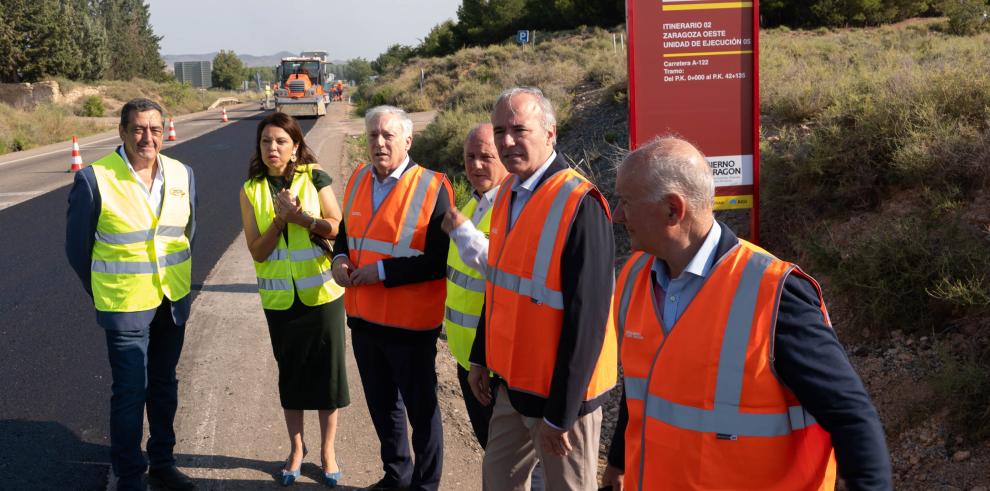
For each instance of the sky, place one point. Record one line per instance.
(351, 29)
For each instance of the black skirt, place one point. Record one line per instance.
(308, 343)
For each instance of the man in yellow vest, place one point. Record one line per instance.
(546, 331)
(466, 264)
(734, 378)
(131, 220)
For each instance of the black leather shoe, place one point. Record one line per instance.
(132, 483)
(384, 483)
(171, 478)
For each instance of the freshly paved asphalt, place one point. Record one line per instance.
(54, 375)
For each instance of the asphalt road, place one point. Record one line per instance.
(54, 375)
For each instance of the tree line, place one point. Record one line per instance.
(966, 16)
(484, 22)
(78, 40)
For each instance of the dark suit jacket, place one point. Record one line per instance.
(809, 361)
(432, 265)
(80, 234)
(588, 272)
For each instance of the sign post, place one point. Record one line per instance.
(522, 37)
(694, 73)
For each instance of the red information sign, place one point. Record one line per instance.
(693, 72)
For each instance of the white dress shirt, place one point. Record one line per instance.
(153, 195)
(381, 189)
(472, 244)
(523, 190)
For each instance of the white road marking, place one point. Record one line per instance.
(67, 151)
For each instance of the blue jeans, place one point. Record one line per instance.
(142, 364)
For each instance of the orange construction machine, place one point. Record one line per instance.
(304, 88)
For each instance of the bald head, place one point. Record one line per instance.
(479, 132)
(668, 165)
(482, 166)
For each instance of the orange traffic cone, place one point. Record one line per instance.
(171, 130)
(77, 163)
(225, 115)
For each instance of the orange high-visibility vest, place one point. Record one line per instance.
(396, 229)
(524, 307)
(705, 409)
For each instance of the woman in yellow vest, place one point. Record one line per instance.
(288, 207)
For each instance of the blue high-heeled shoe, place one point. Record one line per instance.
(286, 478)
(332, 478)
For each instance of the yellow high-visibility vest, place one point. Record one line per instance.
(138, 257)
(299, 266)
(465, 295)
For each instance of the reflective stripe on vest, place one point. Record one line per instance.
(620, 323)
(464, 281)
(139, 258)
(537, 288)
(465, 294)
(296, 267)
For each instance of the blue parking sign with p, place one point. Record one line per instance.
(522, 37)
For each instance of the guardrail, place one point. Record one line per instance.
(224, 101)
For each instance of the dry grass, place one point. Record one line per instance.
(464, 85)
(50, 123)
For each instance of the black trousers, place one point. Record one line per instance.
(479, 414)
(399, 377)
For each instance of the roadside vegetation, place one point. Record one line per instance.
(83, 115)
(464, 85)
(874, 167)
(875, 152)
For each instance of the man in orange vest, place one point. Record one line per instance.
(391, 256)
(546, 331)
(734, 378)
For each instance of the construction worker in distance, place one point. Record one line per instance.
(734, 378)
(268, 97)
(391, 257)
(129, 229)
(546, 332)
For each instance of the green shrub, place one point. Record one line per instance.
(462, 189)
(911, 273)
(441, 144)
(966, 17)
(92, 107)
(963, 383)
(907, 108)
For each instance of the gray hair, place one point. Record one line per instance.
(474, 131)
(670, 170)
(139, 105)
(375, 112)
(549, 119)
